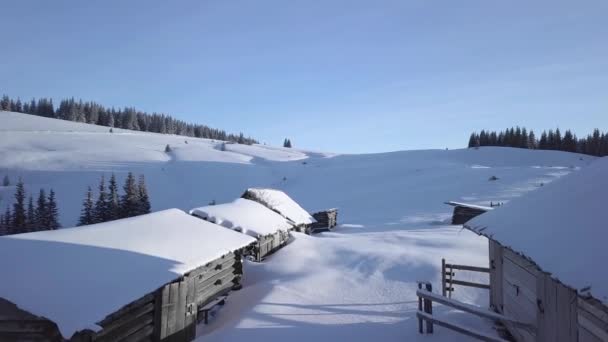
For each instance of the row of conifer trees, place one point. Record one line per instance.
(33, 216)
(595, 144)
(110, 205)
(127, 118)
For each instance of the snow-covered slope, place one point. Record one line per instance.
(357, 282)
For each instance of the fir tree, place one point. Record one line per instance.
(19, 221)
(129, 202)
(113, 199)
(167, 148)
(144, 200)
(86, 214)
(6, 181)
(40, 213)
(101, 210)
(31, 215)
(52, 213)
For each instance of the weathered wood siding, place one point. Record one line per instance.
(327, 219)
(557, 311)
(19, 325)
(270, 243)
(519, 293)
(592, 317)
(496, 261)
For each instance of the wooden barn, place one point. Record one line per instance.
(325, 220)
(284, 205)
(145, 278)
(547, 257)
(248, 217)
(463, 212)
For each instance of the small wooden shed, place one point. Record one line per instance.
(325, 220)
(144, 278)
(284, 205)
(252, 218)
(547, 258)
(463, 212)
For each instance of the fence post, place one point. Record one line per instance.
(429, 309)
(420, 309)
(443, 277)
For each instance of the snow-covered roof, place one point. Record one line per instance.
(468, 205)
(77, 276)
(246, 216)
(562, 227)
(279, 201)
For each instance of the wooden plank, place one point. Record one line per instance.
(458, 328)
(144, 334)
(127, 330)
(468, 268)
(592, 328)
(126, 319)
(520, 278)
(472, 309)
(165, 308)
(567, 318)
(547, 309)
(172, 308)
(470, 284)
(158, 314)
(191, 310)
(594, 310)
(125, 309)
(180, 307)
(496, 269)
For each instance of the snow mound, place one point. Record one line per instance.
(243, 215)
(279, 201)
(106, 265)
(562, 227)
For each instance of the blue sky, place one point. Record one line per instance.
(343, 76)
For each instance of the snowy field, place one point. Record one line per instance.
(357, 282)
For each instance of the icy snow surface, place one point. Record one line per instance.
(356, 283)
(245, 216)
(562, 227)
(78, 276)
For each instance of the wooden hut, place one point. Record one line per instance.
(248, 217)
(463, 212)
(284, 205)
(547, 254)
(145, 278)
(325, 220)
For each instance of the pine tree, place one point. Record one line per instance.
(52, 213)
(287, 143)
(6, 181)
(101, 210)
(113, 200)
(7, 224)
(19, 222)
(167, 148)
(40, 213)
(31, 215)
(144, 200)
(86, 214)
(129, 202)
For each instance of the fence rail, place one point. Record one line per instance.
(448, 273)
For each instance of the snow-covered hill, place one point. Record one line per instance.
(356, 282)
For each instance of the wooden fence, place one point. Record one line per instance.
(448, 273)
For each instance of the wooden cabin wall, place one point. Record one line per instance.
(19, 325)
(557, 311)
(133, 322)
(325, 219)
(269, 243)
(592, 317)
(519, 293)
(495, 252)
